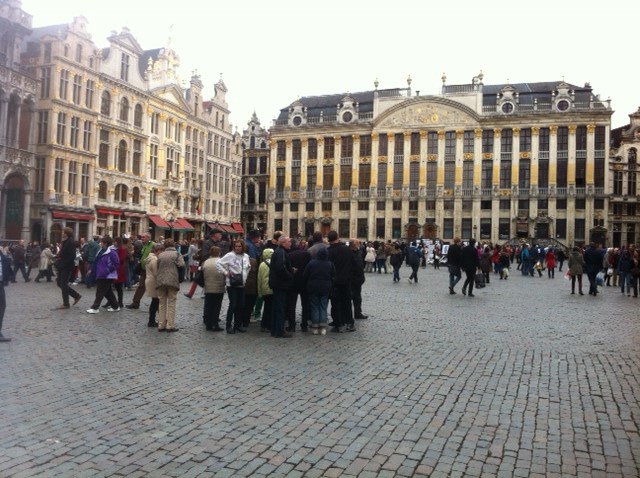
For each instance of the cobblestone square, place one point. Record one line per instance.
(522, 380)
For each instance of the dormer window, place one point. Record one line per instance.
(124, 67)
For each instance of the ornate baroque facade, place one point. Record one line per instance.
(120, 145)
(18, 91)
(624, 205)
(490, 161)
(255, 175)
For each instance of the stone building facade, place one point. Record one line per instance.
(255, 176)
(496, 162)
(121, 146)
(18, 90)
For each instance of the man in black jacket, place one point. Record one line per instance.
(357, 279)
(299, 258)
(6, 274)
(343, 260)
(469, 263)
(281, 282)
(454, 261)
(65, 266)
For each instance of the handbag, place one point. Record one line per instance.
(199, 277)
(600, 278)
(610, 271)
(235, 280)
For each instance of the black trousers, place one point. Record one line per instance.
(3, 303)
(212, 306)
(469, 282)
(356, 299)
(62, 279)
(104, 289)
(341, 305)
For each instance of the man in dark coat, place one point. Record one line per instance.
(469, 262)
(454, 261)
(6, 274)
(65, 265)
(357, 279)
(18, 254)
(593, 257)
(343, 260)
(281, 282)
(299, 258)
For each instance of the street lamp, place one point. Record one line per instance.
(170, 218)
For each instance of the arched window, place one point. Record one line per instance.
(105, 106)
(102, 190)
(252, 142)
(135, 195)
(120, 193)
(137, 116)
(124, 110)
(632, 155)
(122, 156)
(79, 53)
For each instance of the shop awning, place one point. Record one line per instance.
(134, 214)
(72, 215)
(237, 227)
(109, 212)
(182, 224)
(158, 221)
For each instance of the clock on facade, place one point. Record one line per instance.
(563, 105)
(297, 121)
(347, 116)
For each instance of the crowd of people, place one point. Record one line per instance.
(266, 280)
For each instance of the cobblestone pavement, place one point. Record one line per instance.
(522, 380)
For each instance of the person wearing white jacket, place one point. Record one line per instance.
(235, 267)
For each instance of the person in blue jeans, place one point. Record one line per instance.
(318, 278)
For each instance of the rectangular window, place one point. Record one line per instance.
(505, 174)
(209, 142)
(155, 122)
(581, 138)
(543, 173)
(124, 67)
(525, 140)
(343, 228)
(414, 176)
(43, 127)
(581, 172)
(415, 144)
(598, 172)
(84, 181)
(632, 183)
(468, 142)
(364, 176)
(73, 176)
(432, 175)
(396, 228)
(295, 178)
(486, 179)
(153, 160)
(296, 150)
(398, 168)
(103, 152)
(579, 229)
(345, 177)
(281, 149)
(77, 89)
(41, 174)
(466, 227)
(137, 156)
(563, 138)
(449, 174)
(45, 82)
(561, 175)
(383, 145)
(447, 228)
(561, 228)
(74, 132)
(58, 175)
(600, 137)
(327, 177)
(382, 176)
(506, 140)
(487, 141)
(450, 145)
(64, 84)
(504, 229)
(543, 139)
(89, 93)
(346, 147)
(432, 142)
(329, 148)
(362, 230)
(312, 148)
(312, 177)
(365, 145)
(543, 204)
(62, 128)
(524, 174)
(380, 232)
(617, 182)
(467, 174)
(485, 228)
(504, 204)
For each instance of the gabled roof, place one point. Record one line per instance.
(327, 103)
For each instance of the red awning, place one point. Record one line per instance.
(134, 214)
(158, 221)
(237, 227)
(72, 215)
(110, 212)
(182, 224)
(228, 228)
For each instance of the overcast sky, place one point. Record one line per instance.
(272, 52)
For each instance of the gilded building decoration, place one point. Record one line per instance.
(312, 162)
(553, 130)
(414, 158)
(441, 134)
(432, 157)
(487, 155)
(280, 164)
(365, 159)
(535, 131)
(497, 132)
(328, 161)
(572, 129)
(591, 128)
(516, 132)
(382, 159)
(525, 155)
(477, 132)
(427, 114)
(423, 134)
(459, 134)
(467, 156)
